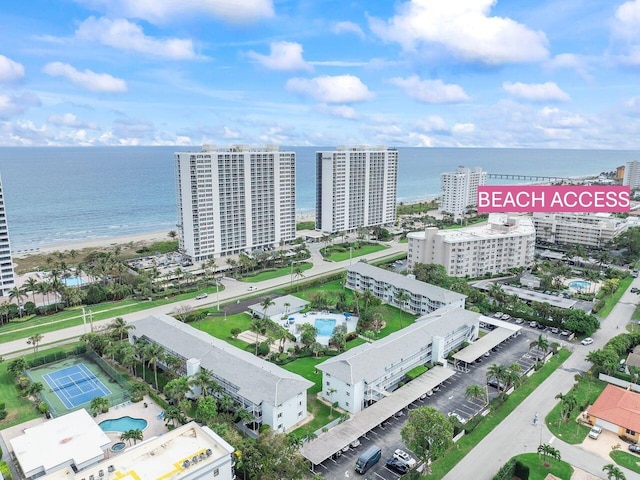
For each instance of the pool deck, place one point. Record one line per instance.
(301, 318)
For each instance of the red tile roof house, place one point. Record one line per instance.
(617, 410)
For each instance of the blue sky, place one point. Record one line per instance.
(471, 73)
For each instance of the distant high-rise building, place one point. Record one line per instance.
(460, 189)
(620, 172)
(7, 279)
(234, 199)
(355, 187)
(632, 175)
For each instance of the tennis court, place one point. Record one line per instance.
(75, 385)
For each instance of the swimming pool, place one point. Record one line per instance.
(325, 326)
(579, 284)
(73, 281)
(123, 424)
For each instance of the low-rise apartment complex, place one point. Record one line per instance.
(504, 242)
(365, 374)
(405, 292)
(460, 189)
(589, 229)
(355, 187)
(274, 396)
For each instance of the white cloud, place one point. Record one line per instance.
(626, 21)
(70, 120)
(347, 27)
(331, 89)
(430, 91)
(555, 118)
(228, 133)
(463, 128)
(128, 36)
(10, 71)
(11, 105)
(166, 11)
(343, 111)
(433, 123)
(536, 92)
(578, 63)
(465, 29)
(283, 56)
(96, 82)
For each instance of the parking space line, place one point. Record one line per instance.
(378, 475)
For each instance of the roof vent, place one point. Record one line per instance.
(111, 468)
(209, 452)
(101, 473)
(201, 456)
(186, 464)
(195, 459)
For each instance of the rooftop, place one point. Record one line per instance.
(295, 304)
(618, 406)
(498, 225)
(163, 456)
(256, 380)
(409, 284)
(72, 438)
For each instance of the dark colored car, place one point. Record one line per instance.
(397, 466)
(634, 448)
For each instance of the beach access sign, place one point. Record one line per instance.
(554, 199)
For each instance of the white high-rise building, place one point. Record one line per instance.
(356, 187)
(460, 189)
(587, 229)
(234, 199)
(632, 175)
(7, 279)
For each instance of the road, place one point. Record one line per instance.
(517, 434)
(233, 290)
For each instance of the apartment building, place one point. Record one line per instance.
(631, 174)
(419, 297)
(504, 242)
(355, 187)
(460, 189)
(274, 396)
(367, 373)
(7, 279)
(234, 199)
(588, 229)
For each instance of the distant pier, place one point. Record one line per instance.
(530, 178)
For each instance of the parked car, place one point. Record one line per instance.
(634, 448)
(565, 333)
(506, 316)
(201, 296)
(555, 330)
(533, 324)
(404, 457)
(252, 288)
(498, 314)
(496, 384)
(519, 321)
(368, 458)
(355, 443)
(587, 341)
(595, 432)
(397, 466)
(457, 416)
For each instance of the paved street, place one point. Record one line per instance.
(233, 290)
(517, 434)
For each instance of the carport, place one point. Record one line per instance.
(318, 450)
(492, 339)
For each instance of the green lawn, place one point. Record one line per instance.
(306, 367)
(220, 327)
(586, 391)
(610, 301)
(321, 416)
(445, 464)
(357, 252)
(20, 410)
(626, 459)
(537, 470)
(276, 272)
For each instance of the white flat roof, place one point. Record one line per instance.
(160, 457)
(478, 348)
(72, 438)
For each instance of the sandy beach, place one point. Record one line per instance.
(139, 238)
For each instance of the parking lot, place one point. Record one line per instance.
(450, 398)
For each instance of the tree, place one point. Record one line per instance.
(542, 344)
(119, 328)
(567, 403)
(330, 392)
(512, 376)
(98, 405)
(134, 434)
(308, 334)
(427, 432)
(476, 391)
(172, 234)
(339, 338)
(17, 294)
(272, 457)
(172, 415)
(31, 285)
(202, 380)
(613, 472)
(155, 353)
(498, 372)
(35, 341)
(548, 451)
(207, 409)
(258, 325)
(137, 390)
(266, 304)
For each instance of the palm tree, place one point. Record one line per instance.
(99, 405)
(541, 344)
(266, 304)
(135, 435)
(17, 294)
(120, 328)
(498, 372)
(298, 272)
(613, 472)
(512, 376)
(177, 389)
(259, 326)
(568, 403)
(138, 390)
(476, 391)
(155, 354)
(330, 393)
(317, 349)
(35, 340)
(30, 286)
(202, 379)
(548, 451)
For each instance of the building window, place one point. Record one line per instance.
(280, 415)
(630, 432)
(216, 472)
(348, 394)
(299, 414)
(300, 403)
(347, 404)
(328, 383)
(280, 427)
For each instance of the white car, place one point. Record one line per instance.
(587, 341)
(252, 288)
(201, 296)
(595, 432)
(404, 457)
(455, 415)
(355, 443)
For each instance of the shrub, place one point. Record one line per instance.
(351, 336)
(3, 414)
(521, 471)
(472, 423)
(263, 349)
(5, 471)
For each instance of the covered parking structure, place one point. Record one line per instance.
(321, 448)
(484, 344)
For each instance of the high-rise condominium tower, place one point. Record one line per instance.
(460, 189)
(356, 187)
(234, 199)
(7, 280)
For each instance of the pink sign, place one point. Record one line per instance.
(554, 199)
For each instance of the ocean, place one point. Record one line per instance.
(63, 194)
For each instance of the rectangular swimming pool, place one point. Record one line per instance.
(325, 326)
